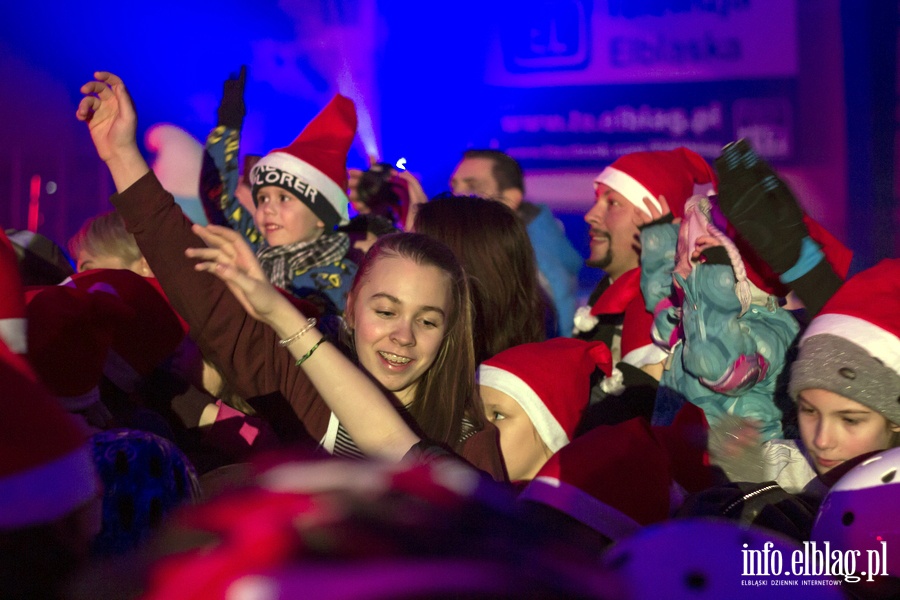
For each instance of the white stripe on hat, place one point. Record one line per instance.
(47, 492)
(878, 342)
(313, 176)
(635, 192)
(543, 420)
(580, 505)
(630, 188)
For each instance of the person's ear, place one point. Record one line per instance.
(894, 428)
(512, 197)
(320, 224)
(143, 268)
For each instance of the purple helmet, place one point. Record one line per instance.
(859, 512)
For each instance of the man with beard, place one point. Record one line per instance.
(616, 314)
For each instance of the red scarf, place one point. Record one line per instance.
(619, 294)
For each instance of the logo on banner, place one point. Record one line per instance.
(548, 36)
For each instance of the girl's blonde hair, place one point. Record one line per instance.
(105, 235)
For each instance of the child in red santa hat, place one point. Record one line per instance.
(299, 197)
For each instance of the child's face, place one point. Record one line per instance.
(835, 429)
(523, 450)
(283, 219)
(399, 316)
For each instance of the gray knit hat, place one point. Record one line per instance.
(852, 347)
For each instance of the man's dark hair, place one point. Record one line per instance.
(506, 171)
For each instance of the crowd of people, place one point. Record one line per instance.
(288, 402)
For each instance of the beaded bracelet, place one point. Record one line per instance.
(310, 323)
(303, 358)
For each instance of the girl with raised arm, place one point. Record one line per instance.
(407, 314)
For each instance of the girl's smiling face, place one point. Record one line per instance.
(399, 316)
(835, 429)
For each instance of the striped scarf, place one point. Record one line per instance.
(282, 263)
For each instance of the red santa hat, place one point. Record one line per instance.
(148, 338)
(676, 174)
(314, 166)
(12, 300)
(614, 479)
(70, 332)
(46, 469)
(550, 380)
(852, 347)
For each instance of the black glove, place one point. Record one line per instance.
(760, 206)
(666, 218)
(231, 109)
(717, 255)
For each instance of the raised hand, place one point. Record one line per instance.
(417, 198)
(109, 113)
(733, 436)
(232, 109)
(702, 243)
(760, 206)
(641, 218)
(229, 258)
(359, 404)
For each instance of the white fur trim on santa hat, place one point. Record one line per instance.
(580, 505)
(49, 491)
(14, 333)
(650, 354)
(630, 188)
(312, 176)
(613, 385)
(878, 342)
(635, 192)
(543, 420)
